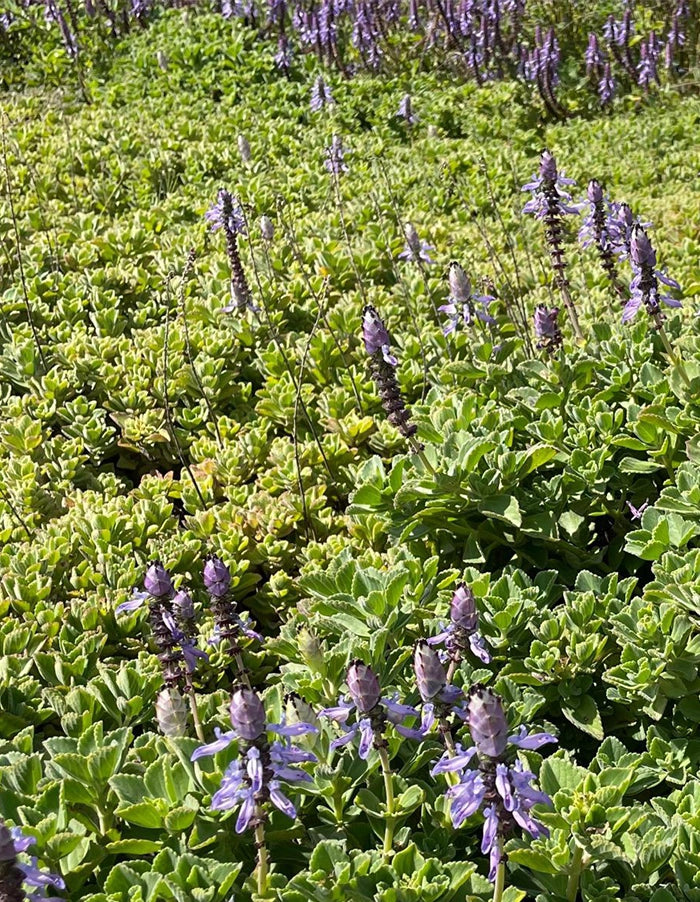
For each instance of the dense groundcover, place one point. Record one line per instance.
(545, 510)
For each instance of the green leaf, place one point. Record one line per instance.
(583, 713)
(502, 507)
(560, 773)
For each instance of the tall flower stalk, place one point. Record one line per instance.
(550, 205)
(498, 785)
(383, 366)
(253, 779)
(226, 214)
(372, 713)
(176, 649)
(599, 228)
(229, 626)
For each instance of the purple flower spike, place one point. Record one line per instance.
(217, 576)
(376, 337)
(431, 677)
(487, 721)
(226, 214)
(463, 612)
(335, 157)
(183, 605)
(157, 581)
(416, 250)
(644, 288)
(363, 686)
(405, 110)
(321, 95)
(547, 331)
(247, 714)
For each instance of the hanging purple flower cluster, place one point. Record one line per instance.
(255, 776)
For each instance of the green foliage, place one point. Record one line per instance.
(261, 438)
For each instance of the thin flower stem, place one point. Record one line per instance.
(416, 448)
(390, 802)
(263, 857)
(571, 310)
(452, 669)
(500, 883)
(240, 666)
(575, 869)
(192, 697)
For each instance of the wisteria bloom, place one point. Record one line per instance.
(462, 632)
(464, 306)
(321, 95)
(371, 710)
(20, 880)
(256, 775)
(644, 287)
(503, 790)
(416, 250)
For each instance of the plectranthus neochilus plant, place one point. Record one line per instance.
(498, 785)
(416, 250)
(253, 779)
(547, 331)
(461, 635)
(178, 655)
(372, 714)
(19, 880)
(229, 626)
(464, 306)
(227, 214)
(600, 228)
(442, 702)
(550, 204)
(383, 367)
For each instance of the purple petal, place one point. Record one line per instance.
(398, 711)
(339, 714)
(343, 740)
(478, 647)
(454, 763)
(222, 741)
(280, 800)
(135, 602)
(524, 740)
(245, 815)
(367, 738)
(631, 309)
(488, 838)
(292, 729)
